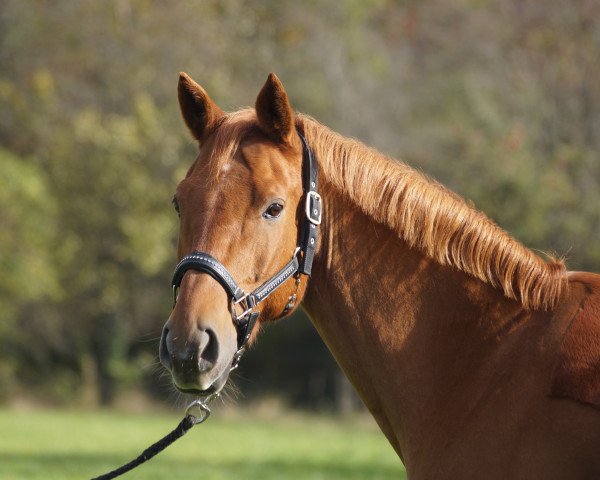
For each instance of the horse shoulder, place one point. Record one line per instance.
(577, 372)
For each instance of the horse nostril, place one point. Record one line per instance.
(209, 350)
(163, 350)
(190, 354)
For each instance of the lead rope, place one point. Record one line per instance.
(196, 412)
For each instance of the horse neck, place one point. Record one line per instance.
(405, 329)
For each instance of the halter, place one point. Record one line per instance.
(300, 263)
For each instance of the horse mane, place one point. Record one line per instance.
(430, 217)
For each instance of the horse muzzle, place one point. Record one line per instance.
(196, 360)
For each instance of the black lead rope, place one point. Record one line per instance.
(188, 422)
(197, 412)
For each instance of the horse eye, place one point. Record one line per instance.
(175, 204)
(273, 211)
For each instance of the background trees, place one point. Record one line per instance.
(499, 99)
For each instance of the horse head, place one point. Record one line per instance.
(240, 203)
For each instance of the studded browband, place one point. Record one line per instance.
(300, 263)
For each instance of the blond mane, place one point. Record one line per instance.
(429, 217)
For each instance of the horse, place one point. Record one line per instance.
(477, 357)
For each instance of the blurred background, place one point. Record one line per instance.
(498, 99)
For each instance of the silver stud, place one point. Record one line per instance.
(312, 241)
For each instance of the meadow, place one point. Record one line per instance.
(67, 444)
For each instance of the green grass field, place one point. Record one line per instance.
(77, 445)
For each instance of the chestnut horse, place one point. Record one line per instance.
(477, 358)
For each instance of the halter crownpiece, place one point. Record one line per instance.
(300, 263)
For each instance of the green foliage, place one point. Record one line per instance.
(28, 218)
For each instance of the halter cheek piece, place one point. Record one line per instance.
(300, 263)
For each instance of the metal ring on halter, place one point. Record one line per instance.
(247, 305)
(199, 408)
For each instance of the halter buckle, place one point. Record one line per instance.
(313, 207)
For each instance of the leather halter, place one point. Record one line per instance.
(300, 263)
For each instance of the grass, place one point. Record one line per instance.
(74, 445)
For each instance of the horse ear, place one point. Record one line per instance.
(200, 113)
(275, 115)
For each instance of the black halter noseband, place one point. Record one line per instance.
(301, 262)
